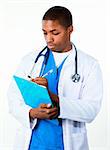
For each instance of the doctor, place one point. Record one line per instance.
(76, 100)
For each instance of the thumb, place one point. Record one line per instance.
(49, 105)
(43, 105)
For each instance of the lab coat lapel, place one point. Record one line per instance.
(37, 68)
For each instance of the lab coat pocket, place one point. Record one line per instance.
(79, 141)
(73, 89)
(22, 138)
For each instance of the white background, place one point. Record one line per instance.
(20, 33)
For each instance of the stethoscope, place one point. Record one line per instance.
(75, 78)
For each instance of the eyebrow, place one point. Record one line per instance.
(49, 31)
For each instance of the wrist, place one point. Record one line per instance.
(53, 97)
(31, 114)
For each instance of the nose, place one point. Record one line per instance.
(49, 38)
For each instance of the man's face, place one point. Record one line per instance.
(57, 37)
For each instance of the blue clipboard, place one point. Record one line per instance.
(34, 94)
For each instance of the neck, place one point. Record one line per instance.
(67, 48)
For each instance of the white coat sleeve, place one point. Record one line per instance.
(17, 106)
(88, 105)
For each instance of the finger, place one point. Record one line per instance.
(40, 79)
(49, 105)
(41, 82)
(53, 115)
(35, 80)
(44, 110)
(51, 110)
(32, 80)
(43, 106)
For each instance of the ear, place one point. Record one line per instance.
(70, 29)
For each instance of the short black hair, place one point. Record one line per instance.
(62, 14)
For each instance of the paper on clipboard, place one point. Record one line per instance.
(33, 94)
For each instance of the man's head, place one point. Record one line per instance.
(61, 14)
(57, 27)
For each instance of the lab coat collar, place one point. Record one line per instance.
(71, 58)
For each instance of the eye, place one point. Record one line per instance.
(45, 33)
(56, 33)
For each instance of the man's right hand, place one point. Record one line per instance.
(45, 111)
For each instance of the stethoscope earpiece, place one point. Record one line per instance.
(75, 78)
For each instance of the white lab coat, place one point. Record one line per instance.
(79, 102)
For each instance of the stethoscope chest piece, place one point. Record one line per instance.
(75, 78)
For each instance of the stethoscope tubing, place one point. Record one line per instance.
(75, 77)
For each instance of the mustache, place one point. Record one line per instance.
(50, 43)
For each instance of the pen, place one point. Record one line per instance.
(29, 77)
(50, 71)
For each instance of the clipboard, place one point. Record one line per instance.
(34, 94)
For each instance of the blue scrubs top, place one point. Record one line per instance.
(46, 135)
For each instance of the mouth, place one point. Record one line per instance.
(50, 45)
